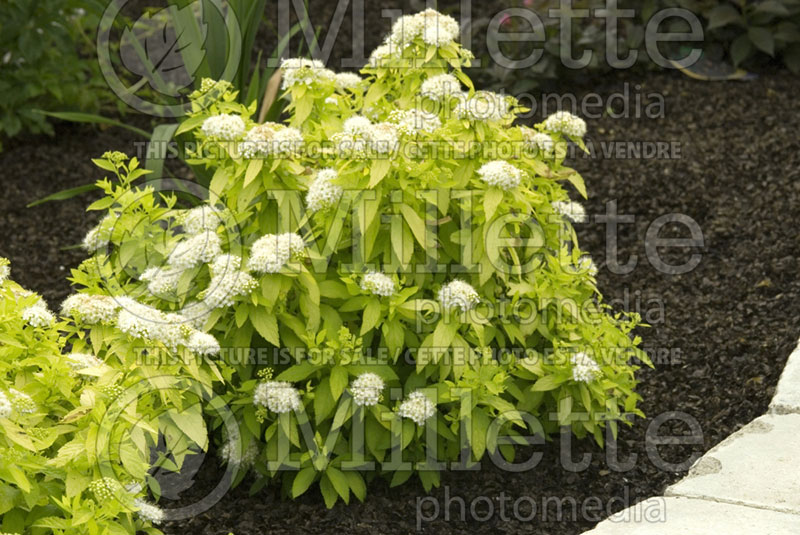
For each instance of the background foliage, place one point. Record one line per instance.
(48, 62)
(740, 32)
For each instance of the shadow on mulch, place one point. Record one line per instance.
(721, 332)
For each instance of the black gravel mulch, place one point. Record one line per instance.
(720, 333)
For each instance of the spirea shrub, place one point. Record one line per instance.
(81, 410)
(392, 273)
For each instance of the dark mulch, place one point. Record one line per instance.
(42, 241)
(728, 325)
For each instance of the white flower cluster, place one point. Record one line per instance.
(382, 138)
(357, 125)
(22, 401)
(224, 263)
(287, 140)
(537, 141)
(227, 281)
(222, 290)
(360, 137)
(347, 80)
(79, 361)
(203, 218)
(441, 87)
(171, 329)
(304, 71)
(197, 312)
(5, 406)
(177, 331)
(271, 252)
(433, 27)
(162, 280)
(5, 270)
(271, 139)
(225, 126)
(482, 106)
(412, 122)
(143, 321)
(139, 320)
(90, 309)
(501, 174)
(201, 343)
(258, 140)
(417, 407)
(149, 512)
(379, 56)
(99, 236)
(573, 211)
(195, 250)
(277, 396)
(38, 315)
(566, 123)
(367, 388)
(231, 453)
(378, 284)
(585, 263)
(322, 193)
(584, 369)
(458, 294)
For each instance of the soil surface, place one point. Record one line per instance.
(720, 333)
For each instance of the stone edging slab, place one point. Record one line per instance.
(747, 484)
(787, 394)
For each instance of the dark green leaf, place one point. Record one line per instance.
(741, 49)
(78, 117)
(722, 15)
(762, 39)
(64, 194)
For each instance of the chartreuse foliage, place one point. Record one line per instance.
(393, 275)
(80, 412)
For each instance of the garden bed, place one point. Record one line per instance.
(728, 325)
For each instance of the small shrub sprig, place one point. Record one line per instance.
(82, 403)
